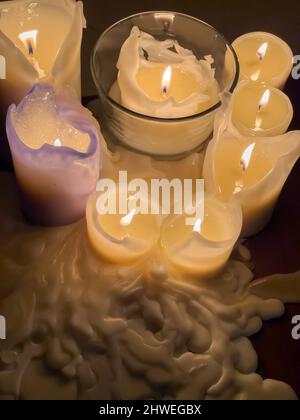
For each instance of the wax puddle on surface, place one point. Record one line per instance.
(81, 329)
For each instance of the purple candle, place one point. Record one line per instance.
(55, 145)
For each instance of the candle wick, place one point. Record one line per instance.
(30, 48)
(243, 165)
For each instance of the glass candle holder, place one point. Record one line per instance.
(163, 138)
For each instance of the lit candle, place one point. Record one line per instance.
(259, 110)
(156, 81)
(39, 41)
(202, 250)
(254, 170)
(55, 147)
(264, 57)
(122, 237)
(159, 87)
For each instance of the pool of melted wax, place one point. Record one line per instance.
(79, 328)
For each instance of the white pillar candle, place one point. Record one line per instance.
(122, 237)
(174, 87)
(264, 57)
(202, 250)
(39, 41)
(259, 110)
(55, 147)
(254, 170)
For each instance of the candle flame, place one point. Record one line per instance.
(57, 143)
(126, 220)
(261, 52)
(198, 226)
(246, 158)
(166, 80)
(264, 100)
(29, 40)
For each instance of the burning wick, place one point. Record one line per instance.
(261, 52)
(245, 161)
(126, 220)
(198, 226)
(264, 100)
(29, 40)
(166, 80)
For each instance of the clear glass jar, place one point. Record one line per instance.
(158, 137)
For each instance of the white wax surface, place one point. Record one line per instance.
(39, 123)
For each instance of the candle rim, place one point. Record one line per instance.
(289, 115)
(280, 166)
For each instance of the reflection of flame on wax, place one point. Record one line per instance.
(127, 220)
(255, 76)
(261, 52)
(246, 158)
(264, 100)
(57, 143)
(166, 80)
(29, 40)
(198, 226)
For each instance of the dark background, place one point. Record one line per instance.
(277, 249)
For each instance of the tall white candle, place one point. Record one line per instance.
(170, 82)
(39, 41)
(56, 154)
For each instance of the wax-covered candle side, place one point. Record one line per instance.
(54, 181)
(264, 57)
(146, 84)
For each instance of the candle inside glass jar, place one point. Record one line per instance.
(162, 79)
